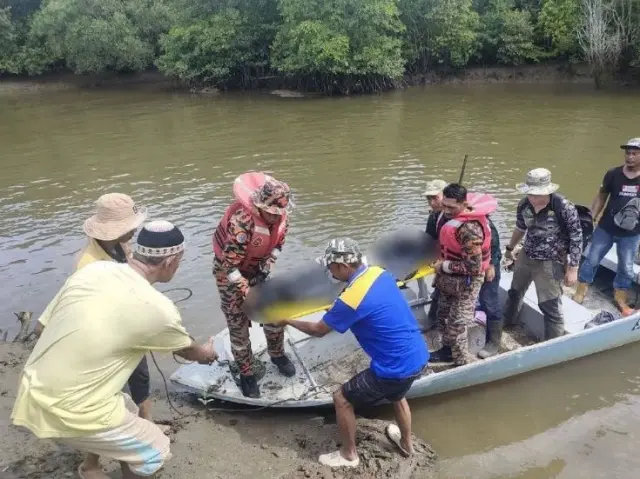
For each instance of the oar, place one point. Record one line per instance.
(292, 311)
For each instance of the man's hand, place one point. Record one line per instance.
(508, 254)
(437, 266)
(571, 276)
(281, 323)
(209, 353)
(490, 274)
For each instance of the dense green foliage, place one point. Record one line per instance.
(332, 45)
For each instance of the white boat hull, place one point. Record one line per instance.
(315, 359)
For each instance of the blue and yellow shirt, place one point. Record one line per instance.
(374, 309)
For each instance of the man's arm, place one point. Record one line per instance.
(572, 222)
(601, 198)
(202, 354)
(521, 226)
(234, 252)
(340, 318)
(495, 245)
(516, 237)
(470, 236)
(317, 329)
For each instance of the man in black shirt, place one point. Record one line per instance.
(620, 186)
(433, 194)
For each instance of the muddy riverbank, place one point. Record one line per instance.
(155, 81)
(274, 444)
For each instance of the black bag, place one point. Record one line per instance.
(584, 215)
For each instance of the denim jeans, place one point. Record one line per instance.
(490, 298)
(601, 243)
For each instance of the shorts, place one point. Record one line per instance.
(366, 389)
(139, 385)
(137, 442)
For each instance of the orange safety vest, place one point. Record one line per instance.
(481, 205)
(263, 239)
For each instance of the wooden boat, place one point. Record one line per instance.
(324, 363)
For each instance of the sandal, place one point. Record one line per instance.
(335, 459)
(394, 435)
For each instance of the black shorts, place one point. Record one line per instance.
(365, 388)
(139, 384)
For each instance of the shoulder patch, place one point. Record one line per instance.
(241, 238)
(355, 293)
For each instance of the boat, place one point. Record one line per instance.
(324, 363)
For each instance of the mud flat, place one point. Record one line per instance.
(274, 444)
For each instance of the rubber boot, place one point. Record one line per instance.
(442, 355)
(553, 330)
(285, 366)
(249, 386)
(494, 328)
(620, 297)
(581, 292)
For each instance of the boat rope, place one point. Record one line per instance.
(189, 294)
(173, 407)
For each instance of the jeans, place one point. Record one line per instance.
(490, 298)
(601, 243)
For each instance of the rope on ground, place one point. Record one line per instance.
(189, 294)
(210, 409)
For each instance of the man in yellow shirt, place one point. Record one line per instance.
(109, 232)
(99, 326)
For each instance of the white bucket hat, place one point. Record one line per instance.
(538, 182)
(633, 143)
(116, 215)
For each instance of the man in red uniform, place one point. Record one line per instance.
(465, 243)
(246, 244)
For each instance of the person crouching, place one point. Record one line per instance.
(374, 309)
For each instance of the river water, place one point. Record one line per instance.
(357, 167)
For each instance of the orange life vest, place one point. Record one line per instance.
(480, 206)
(263, 239)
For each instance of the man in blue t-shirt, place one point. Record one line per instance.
(374, 309)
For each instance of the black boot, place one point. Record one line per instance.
(285, 366)
(494, 328)
(442, 355)
(249, 386)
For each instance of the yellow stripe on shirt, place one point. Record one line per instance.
(360, 286)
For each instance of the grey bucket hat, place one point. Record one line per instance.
(342, 250)
(538, 182)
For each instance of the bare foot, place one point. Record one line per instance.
(93, 473)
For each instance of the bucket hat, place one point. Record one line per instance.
(116, 214)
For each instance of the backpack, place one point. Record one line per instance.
(584, 215)
(627, 218)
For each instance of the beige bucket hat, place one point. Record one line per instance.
(538, 182)
(116, 215)
(434, 187)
